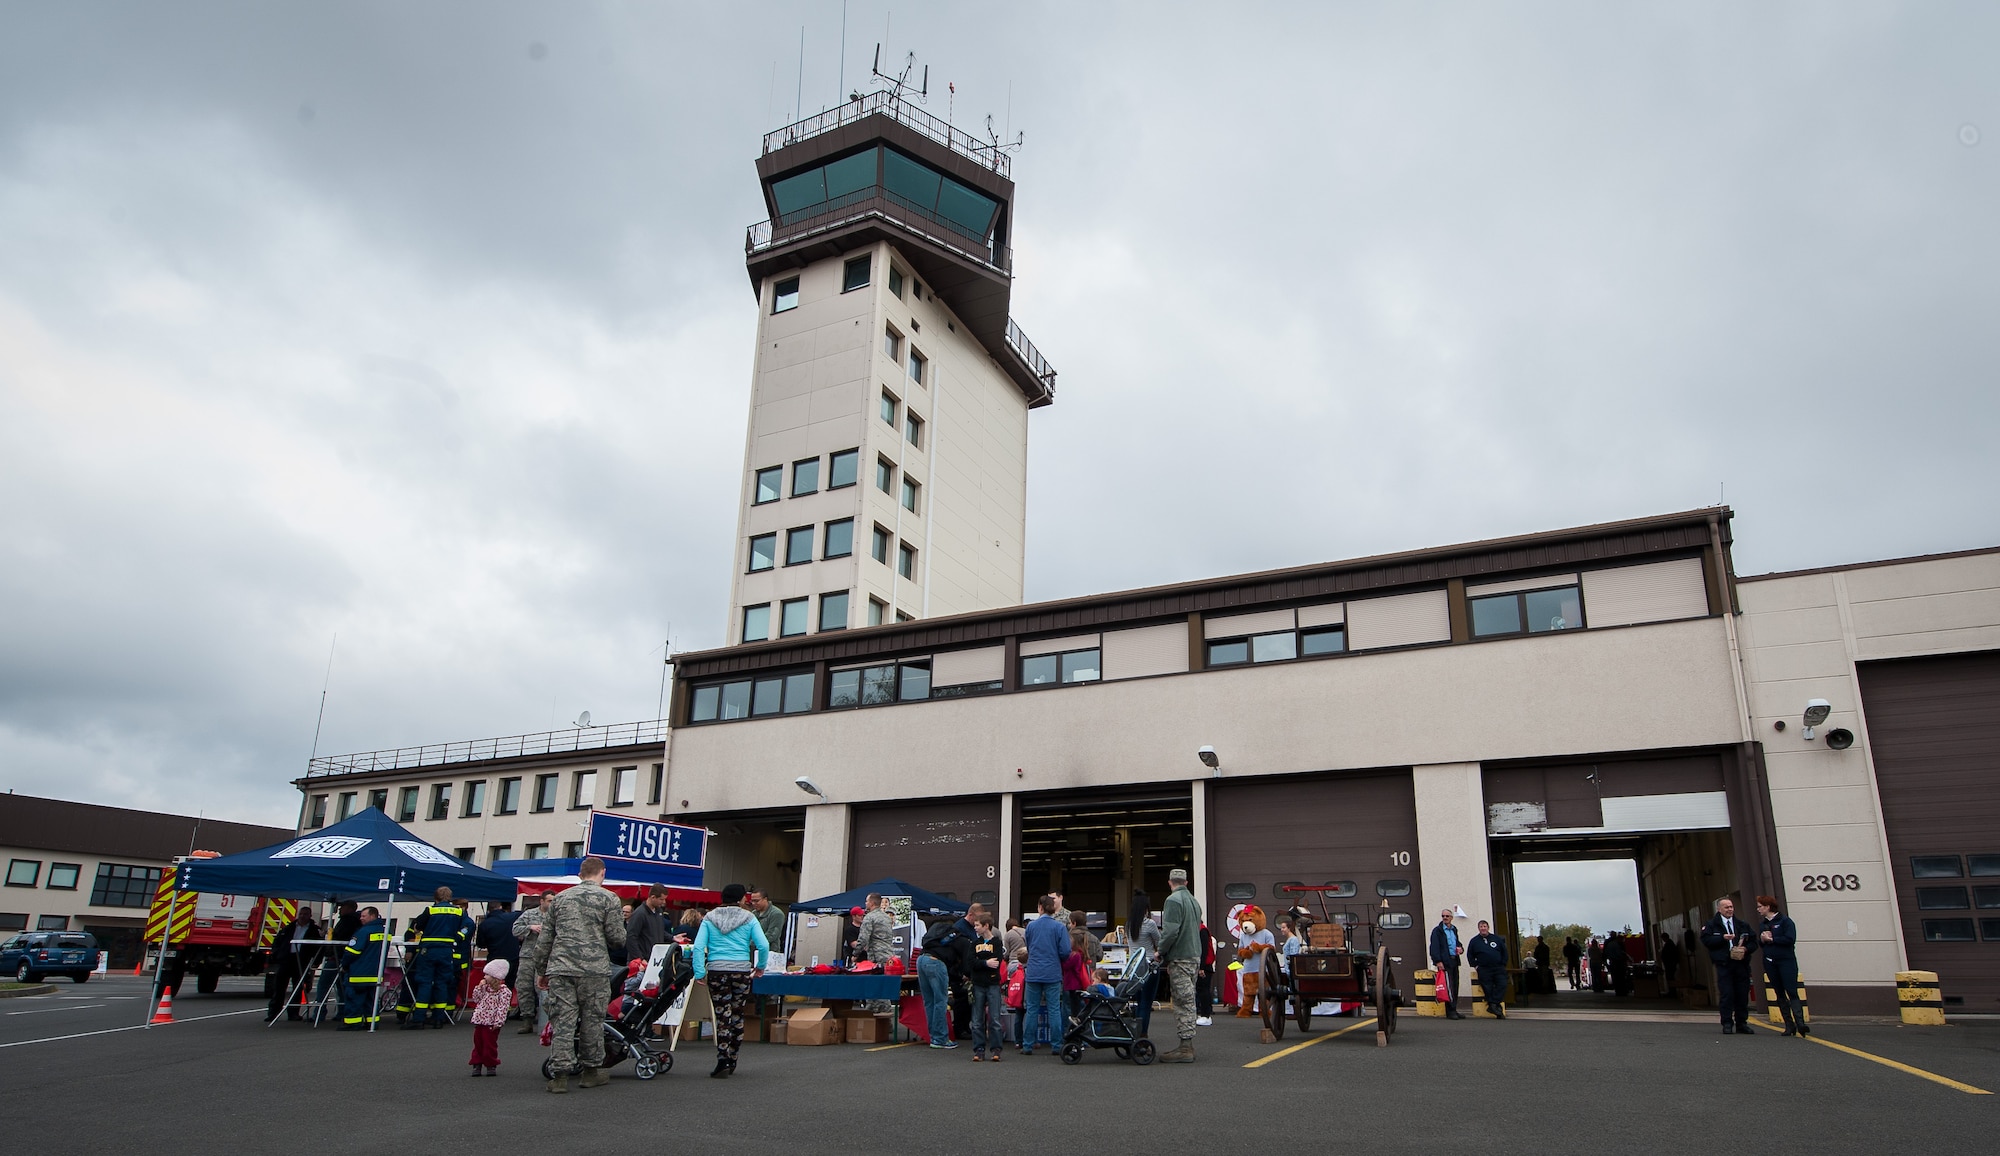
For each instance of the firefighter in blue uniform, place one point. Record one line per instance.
(362, 960)
(438, 929)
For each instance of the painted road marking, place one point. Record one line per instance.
(1885, 1062)
(1309, 1043)
(132, 1028)
(46, 1010)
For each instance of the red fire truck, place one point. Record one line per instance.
(212, 935)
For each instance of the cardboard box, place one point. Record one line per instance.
(778, 1031)
(811, 1027)
(866, 1028)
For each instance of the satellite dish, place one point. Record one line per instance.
(583, 720)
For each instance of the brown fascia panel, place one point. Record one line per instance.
(1679, 533)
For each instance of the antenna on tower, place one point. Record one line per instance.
(899, 84)
(998, 144)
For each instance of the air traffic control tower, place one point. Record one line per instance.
(885, 467)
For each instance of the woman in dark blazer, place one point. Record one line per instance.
(1777, 938)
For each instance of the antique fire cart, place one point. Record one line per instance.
(1330, 969)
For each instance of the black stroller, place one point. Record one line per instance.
(628, 1032)
(1111, 1021)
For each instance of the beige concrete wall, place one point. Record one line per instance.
(73, 905)
(823, 863)
(1801, 637)
(1656, 686)
(1451, 842)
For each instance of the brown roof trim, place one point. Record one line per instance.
(59, 825)
(1433, 566)
(1913, 558)
(456, 770)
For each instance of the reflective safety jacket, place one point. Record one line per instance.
(364, 954)
(438, 929)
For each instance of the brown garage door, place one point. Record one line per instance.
(1359, 829)
(1930, 722)
(950, 846)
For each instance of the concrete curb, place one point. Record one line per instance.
(37, 989)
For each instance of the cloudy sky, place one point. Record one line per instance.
(426, 326)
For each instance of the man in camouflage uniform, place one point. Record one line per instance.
(876, 942)
(528, 928)
(573, 955)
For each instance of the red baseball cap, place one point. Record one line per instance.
(857, 911)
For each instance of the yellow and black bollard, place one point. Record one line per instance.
(1922, 1002)
(1771, 1002)
(1427, 1000)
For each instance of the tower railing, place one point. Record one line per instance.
(510, 746)
(876, 201)
(1030, 356)
(902, 112)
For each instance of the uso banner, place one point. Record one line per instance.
(676, 854)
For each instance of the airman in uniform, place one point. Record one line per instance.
(573, 955)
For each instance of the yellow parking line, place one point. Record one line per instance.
(892, 1047)
(1933, 1077)
(1309, 1043)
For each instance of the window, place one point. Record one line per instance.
(1984, 898)
(462, 854)
(1989, 929)
(1527, 612)
(917, 364)
(896, 282)
(892, 342)
(888, 409)
(440, 801)
(878, 545)
(1279, 646)
(1983, 865)
(840, 538)
(792, 616)
(885, 475)
(1936, 867)
(805, 477)
(379, 800)
(584, 793)
(538, 851)
(63, 876)
(906, 560)
(624, 786)
(510, 796)
(121, 885)
(1392, 888)
(659, 781)
(343, 809)
(1329, 640)
(878, 685)
(573, 850)
(475, 800)
(917, 187)
(905, 616)
(24, 872)
(545, 792)
(52, 923)
(1053, 669)
(913, 429)
(498, 852)
(798, 546)
(844, 469)
(763, 552)
(756, 623)
(770, 481)
(747, 698)
(1239, 892)
(833, 611)
(909, 494)
(406, 805)
(316, 812)
(854, 275)
(13, 921)
(1948, 931)
(785, 295)
(877, 611)
(1932, 899)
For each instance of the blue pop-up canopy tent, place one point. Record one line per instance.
(369, 856)
(921, 901)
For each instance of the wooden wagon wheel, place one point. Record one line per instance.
(1385, 995)
(1273, 991)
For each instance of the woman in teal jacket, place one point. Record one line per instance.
(729, 951)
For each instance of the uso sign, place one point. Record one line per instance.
(647, 851)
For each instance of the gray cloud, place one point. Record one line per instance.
(374, 320)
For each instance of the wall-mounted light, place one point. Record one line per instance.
(1208, 759)
(808, 786)
(1816, 711)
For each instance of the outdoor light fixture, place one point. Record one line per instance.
(1816, 711)
(1208, 759)
(810, 788)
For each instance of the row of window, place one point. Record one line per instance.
(116, 885)
(18, 921)
(857, 273)
(1527, 612)
(1934, 897)
(473, 798)
(916, 366)
(1342, 889)
(1277, 646)
(843, 470)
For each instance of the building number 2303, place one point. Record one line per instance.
(1832, 883)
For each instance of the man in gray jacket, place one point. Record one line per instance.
(573, 955)
(1180, 953)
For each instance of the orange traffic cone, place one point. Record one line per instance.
(164, 1014)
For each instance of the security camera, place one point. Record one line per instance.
(1208, 758)
(807, 785)
(1816, 711)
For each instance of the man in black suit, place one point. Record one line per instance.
(1722, 934)
(1445, 951)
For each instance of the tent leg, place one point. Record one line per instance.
(160, 964)
(382, 965)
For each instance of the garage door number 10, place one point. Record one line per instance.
(1399, 858)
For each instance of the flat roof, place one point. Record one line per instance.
(1913, 558)
(59, 825)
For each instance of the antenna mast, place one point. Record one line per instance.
(899, 84)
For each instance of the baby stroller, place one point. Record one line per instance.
(1110, 1021)
(629, 1020)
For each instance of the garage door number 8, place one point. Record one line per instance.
(1832, 883)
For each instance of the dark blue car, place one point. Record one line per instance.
(30, 956)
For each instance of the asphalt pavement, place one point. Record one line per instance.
(78, 1061)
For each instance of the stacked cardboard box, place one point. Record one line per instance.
(810, 1027)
